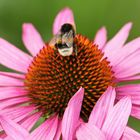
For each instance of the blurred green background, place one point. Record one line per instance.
(90, 15)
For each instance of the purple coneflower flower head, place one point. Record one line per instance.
(64, 89)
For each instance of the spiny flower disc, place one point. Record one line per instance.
(53, 79)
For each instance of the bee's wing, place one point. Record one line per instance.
(68, 38)
(55, 40)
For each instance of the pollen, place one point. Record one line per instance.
(53, 79)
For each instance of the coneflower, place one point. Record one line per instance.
(46, 80)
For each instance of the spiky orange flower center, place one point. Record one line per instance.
(53, 79)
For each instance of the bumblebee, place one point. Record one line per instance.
(64, 40)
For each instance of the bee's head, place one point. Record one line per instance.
(65, 28)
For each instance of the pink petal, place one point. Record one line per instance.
(30, 121)
(129, 66)
(135, 111)
(3, 136)
(133, 87)
(126, 50)
(71, 115)
(13, 58)
(130, 134)
(46, 130)
(135, 96)
(12, 75)
(17, 113)
(102, 107)
(112, 47)
(32, 39)
(64, 16)
(89, 132)
(58, 132)
(10, 92)
(12, 129)
(129, 78)
(13, 101)
(129, 90)
(9, 81)
(101, 38)
(117, 119)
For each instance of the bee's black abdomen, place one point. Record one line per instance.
(66, 28)
(61, 46)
